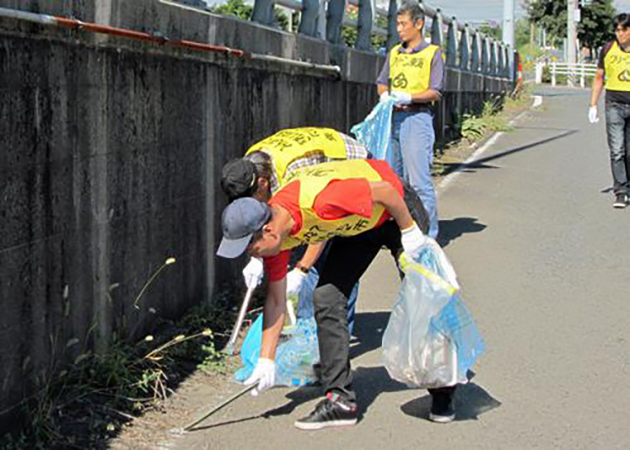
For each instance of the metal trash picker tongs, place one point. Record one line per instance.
(229, 348)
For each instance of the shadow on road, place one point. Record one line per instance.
(369, 329)
(471, 401)
(481, 162)
(370, 382)
(454, 228)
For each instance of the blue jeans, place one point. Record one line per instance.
(413, 137)
(618, 132)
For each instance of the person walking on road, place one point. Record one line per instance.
(413, 75)
(263, 171)
(613, 73)
(360, 205)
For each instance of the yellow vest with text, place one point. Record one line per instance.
(617, 69)
(313, 180)
(411, 72)
(286, 146)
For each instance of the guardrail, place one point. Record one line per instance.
(572, 71)
(465, 48)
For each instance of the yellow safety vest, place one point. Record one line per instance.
(411, 72)
(313, 180)
(617, 69)
(286, 146)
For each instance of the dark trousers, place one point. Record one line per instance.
(618, 132)
(347, 261)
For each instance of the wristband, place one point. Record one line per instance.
(302, 268)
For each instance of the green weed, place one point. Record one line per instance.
(87, 403)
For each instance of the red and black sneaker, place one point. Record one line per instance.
(333, 411)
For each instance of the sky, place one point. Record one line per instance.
(476, 11)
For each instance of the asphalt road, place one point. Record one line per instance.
(543, 261)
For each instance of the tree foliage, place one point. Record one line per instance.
(491, 29)
(596, 26)
(594, 29)
(239, 9)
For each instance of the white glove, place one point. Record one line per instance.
(264, 374)
(295, 278)
(412, 241)
(253, 273)
(385, 97)
(402, 98)
(592, 114)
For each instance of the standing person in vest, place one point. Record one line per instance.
(613, 72)
(362, 206)
(264, 169)
(413, 75)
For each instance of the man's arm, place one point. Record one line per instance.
(385, 194)
(273, 318)
(311, 255)
(598, 86)
(427, 96)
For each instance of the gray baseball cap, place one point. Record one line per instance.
(241, 219)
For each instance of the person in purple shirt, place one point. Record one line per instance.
(413, 75)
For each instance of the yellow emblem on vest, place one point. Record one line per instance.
(617, 69)
(286, 146)
(411, 72)
(313, 180)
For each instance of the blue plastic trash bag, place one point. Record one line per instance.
(295, 356)
(431, 339)
(375, 131)
(250, 350)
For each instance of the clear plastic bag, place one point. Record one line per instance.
(296, 357)
(431, 340)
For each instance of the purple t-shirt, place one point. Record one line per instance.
(436, 80)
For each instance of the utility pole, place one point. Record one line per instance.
(508, 22)
(571, 38)
(508, 31)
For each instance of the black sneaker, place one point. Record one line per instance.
(621, 201)
(333, 411)
(442, 407)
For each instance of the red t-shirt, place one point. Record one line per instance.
(339, 199)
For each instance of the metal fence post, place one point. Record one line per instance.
(437, 29)
(464, 52)
(485, 55)
(476, 65)
(334, 20)
(392, 33)
(308, 20)
(364, 25)
(263, 12)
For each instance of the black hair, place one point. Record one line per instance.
(262, 162)
(622, 20)
(412, 9)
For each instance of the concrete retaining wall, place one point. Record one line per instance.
(110, 151)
